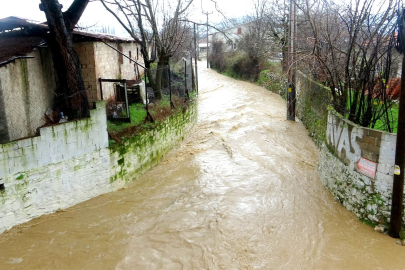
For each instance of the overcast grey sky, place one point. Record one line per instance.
(95, 12)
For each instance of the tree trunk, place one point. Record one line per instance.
(71, 96)
(158, 84)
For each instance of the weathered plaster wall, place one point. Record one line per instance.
(71, 163)
(26, 91)
(367, 196)
(27, 85)
(4, 136)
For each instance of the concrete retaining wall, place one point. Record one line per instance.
(72, 162)
(341, 167)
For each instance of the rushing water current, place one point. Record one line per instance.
(240, 192)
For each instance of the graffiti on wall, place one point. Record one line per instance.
(343, 138)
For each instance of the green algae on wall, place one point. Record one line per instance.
(312, 107)
(145, 149)
(42, 184)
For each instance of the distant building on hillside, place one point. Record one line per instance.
(230, 37)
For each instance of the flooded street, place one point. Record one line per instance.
(241, 192)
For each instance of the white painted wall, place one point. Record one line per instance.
(72, 162)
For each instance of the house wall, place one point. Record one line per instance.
(127, 66)
(27, 85)
(72, 162)
(85, 51)
(4, 137)
(100, 61)
(26, 90)
(232, 34)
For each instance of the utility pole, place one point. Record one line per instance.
(291, 91)
(196, 56)
(207, 13)
(398, 185)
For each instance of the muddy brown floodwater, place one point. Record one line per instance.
(241, 192)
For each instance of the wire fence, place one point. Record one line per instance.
(160, 90)
(168, 81)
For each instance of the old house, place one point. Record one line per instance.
(231, 36)
(27, 77)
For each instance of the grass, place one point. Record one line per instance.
(263, 78)
(380, 123)
(159, 111)
(273, 79)
(137, 113)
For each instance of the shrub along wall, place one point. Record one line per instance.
(72, 162)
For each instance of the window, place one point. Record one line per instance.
(130, 56)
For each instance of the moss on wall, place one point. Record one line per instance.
(312, 107)
(146, 148)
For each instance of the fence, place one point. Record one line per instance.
(166, 87)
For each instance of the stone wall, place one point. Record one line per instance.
(26, 91)
(312, 106)
(357, 166)
(72, 162)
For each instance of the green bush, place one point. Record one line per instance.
(402, 234)
(273, 81)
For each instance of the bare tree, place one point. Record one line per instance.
(255, 42)
(158, 26)
(70, 87)
(351, 46)
(276, 18)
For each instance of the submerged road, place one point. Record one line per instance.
(241, 192)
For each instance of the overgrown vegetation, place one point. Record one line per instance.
(273, 79)
(349, 47)
(235, 64)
